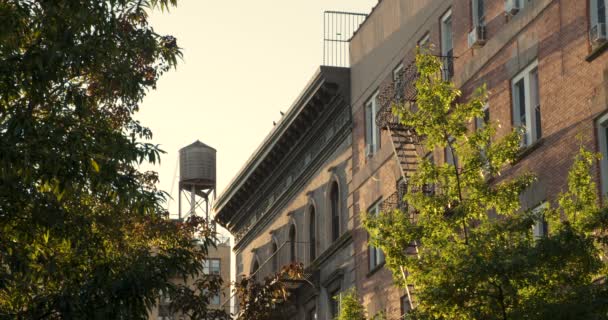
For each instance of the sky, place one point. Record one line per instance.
(243, 62)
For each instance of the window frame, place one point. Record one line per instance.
(594, 17)
(540, 228)
(447, 55)
(293, 236)
(425, 41)
(334, 305)
(207, 264)
(375, 256)
(274, 251)
(372, 132)
(602, 135)
(312, 232)
(533, 125)
(334, 209)
(477, 19)
(405, 305)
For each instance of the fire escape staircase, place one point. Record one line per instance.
(406, 143)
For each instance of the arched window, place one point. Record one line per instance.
(275, 257)
(292, 243)
(256, 266)
(335, 211)
(312, 229)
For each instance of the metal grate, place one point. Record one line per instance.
(338, 29)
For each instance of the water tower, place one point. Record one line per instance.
(196, 179)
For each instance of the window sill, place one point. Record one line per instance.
(597, 52)
(375, 269)
(524, 152)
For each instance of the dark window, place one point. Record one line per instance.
(275, 257)
(334, 304)
(401, 191)
(256, 266)
(211, 266)
(335, 212)
(477, 6)
(405, 306)
(601, 11)
(292, 243)
(375, 255)
(312, 235)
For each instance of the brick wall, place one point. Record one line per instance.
(572, 95)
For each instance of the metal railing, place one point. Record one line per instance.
(338, 29)
(402, 89)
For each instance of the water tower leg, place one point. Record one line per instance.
(193, 200)
(179, 203)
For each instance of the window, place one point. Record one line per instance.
(425, 41)
(335, 211)
(602, 134)
(215, 299)
(539, 229)
(275, 257)
(211, 266)
(481, 121)
(450, 154)
(372, 132)
(401, 191)
(429, 189)
(376, 256)
(312, 235)
(239, 263)
(447, 48)
(256, 266)
(478, 13)
(397, 72)
(406, 307)
(334, 303)
(512, 7)
(292, 243)
(526, 104)
(598, 17)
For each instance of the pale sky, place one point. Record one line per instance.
(244, 61)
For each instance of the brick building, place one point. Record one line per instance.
(545, 66)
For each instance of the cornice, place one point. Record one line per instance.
(299, 183)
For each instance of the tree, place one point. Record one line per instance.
(350, 307)
(477, 257)
(83, 233)
(270, 298)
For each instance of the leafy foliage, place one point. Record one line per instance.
(350, 307)
(83, 234)
(477, 257)
(267, 299)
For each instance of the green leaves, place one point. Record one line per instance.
(83, 233)
(478, 257)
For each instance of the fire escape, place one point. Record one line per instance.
(407, 144)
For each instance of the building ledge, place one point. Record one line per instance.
(597, 51)
(340, 243)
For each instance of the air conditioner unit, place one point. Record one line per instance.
(369, 150)
(477, 37)
(598, 34)
(512, 7)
